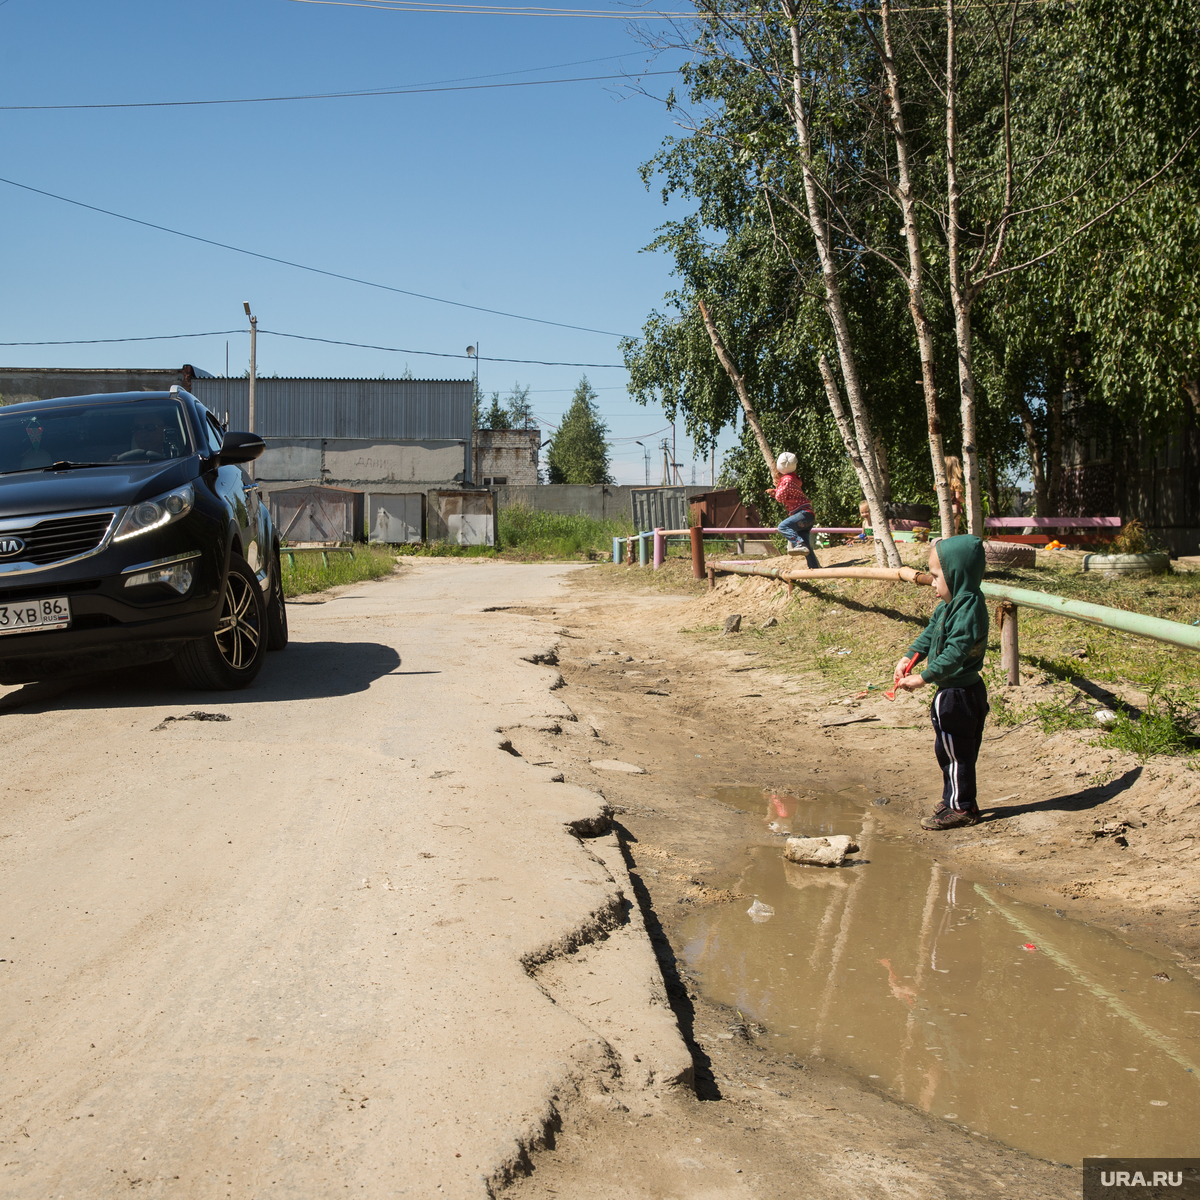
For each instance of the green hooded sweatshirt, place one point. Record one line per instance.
(955, 640)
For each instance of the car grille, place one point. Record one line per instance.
(52, 540)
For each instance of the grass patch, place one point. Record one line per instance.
(876, 621)
(1167, 726)
(442, 550)
(528, 535)
(557, 535)
(311, 573)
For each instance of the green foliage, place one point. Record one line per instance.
(578, 452)
(1099, 329)
(515, 413)
(1131, 539)
(520, 411)
(497, 416)
(311, 573)
(1166, 727)
(525, 533)
(556, 535)
(443, 550)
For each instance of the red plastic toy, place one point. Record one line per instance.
(908, 666)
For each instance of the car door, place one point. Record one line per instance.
(240, 494)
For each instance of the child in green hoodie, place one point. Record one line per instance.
(954, 643)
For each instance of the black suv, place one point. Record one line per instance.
(130, 533)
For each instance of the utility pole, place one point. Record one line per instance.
(473, 352)
(253, 372)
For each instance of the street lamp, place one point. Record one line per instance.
(645, 461)
(473, 352)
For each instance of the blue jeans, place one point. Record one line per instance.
(796, 529)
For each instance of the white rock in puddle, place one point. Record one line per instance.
(820, 851)
(612, 764)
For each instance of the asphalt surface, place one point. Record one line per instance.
(295, 953)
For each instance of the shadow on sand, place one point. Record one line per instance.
(304, 671)
(1079, 801)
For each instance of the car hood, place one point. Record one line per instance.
(31, 492)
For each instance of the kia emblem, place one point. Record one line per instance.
(10, 546)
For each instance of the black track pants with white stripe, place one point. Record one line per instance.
(958, 715)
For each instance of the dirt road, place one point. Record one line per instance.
(361, 937)
(288, 950)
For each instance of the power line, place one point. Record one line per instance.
(495, 312)
(397, 91)
(497, 10)
(536, 362)
(162, 337)
(300, 337)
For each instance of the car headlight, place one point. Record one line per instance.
(154, 514)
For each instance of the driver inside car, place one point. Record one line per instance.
(148, 438)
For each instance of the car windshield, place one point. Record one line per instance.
(125, 432)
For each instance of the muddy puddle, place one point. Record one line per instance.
(996, 1015)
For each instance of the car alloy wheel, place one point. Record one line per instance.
(233, 654)
(240, 627)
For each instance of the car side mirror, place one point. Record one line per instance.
(241, 448)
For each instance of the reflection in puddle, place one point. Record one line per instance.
(1037, 1030)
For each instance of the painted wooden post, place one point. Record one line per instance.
(1010, 652)
(660, 548)
(697, 552)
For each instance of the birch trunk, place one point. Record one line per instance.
(833, 297)
(961, 291)
(739, 386)
(916, 273)
(874, 500)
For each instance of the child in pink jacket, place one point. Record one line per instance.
(797, 525)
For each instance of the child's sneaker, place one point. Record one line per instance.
(951, 818)
(797, 549)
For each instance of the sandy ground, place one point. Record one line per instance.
(374, 934)
(293, 953)
(699, 711)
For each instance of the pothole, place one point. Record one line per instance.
(1000, 1016)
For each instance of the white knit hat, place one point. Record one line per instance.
(786, 462)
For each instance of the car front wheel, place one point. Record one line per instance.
(231, 657)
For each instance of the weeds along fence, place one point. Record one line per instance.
(1012, 599)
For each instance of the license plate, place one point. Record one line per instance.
(53, 613)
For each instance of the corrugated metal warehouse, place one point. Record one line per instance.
(436, 410)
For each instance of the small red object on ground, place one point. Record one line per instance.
(1029, 946)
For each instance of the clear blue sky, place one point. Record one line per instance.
(524, 199)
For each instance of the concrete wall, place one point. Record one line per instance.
(19, 384)
(603, 502)
(351, 462)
